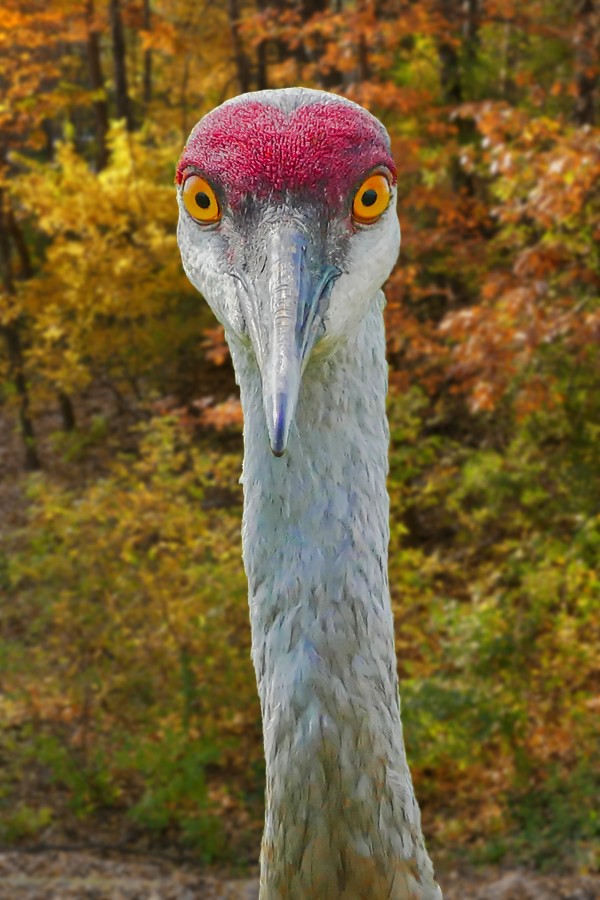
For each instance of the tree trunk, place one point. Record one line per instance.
(509, 61)
(66, 411)
(49, 135)
(18, 238)
(333, 77)
(451, 81)
(586, 61)
(12, 340)
(456, 63)
(14, 348)
(122, 99)
(471, 26)
(239, 54)
(364, 68)
(262, 73)
(262, 82)
(99, 88)
(183, 93)
(147, 77)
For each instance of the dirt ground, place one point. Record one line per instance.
(85, 876)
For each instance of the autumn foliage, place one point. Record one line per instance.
(127, 696)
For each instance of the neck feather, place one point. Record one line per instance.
(341, 820)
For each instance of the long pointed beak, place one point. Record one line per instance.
(289, 299)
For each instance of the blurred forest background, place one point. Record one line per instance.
(128, 709)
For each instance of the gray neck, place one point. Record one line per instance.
(341, 818)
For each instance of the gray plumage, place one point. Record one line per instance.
(341, 818)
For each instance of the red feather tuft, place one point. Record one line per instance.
(321, 150)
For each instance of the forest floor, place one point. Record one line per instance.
(86, 876)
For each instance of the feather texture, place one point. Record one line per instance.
(342, 820)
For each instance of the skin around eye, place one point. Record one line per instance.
(371, 199)
(200, 200)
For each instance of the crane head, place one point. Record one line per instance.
(287, 227)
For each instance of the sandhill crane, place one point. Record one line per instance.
(287, 227)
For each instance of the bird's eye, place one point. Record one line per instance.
(200, 200)
(371, 199)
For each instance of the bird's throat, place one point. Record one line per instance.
(341, 818)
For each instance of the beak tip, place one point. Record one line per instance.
(278, 432)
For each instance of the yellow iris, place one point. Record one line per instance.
(200, 200)
(371, 199)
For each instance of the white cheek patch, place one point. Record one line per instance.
(372, 254)
(204, 257)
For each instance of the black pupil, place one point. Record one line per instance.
(369, 197)
(202, 199)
